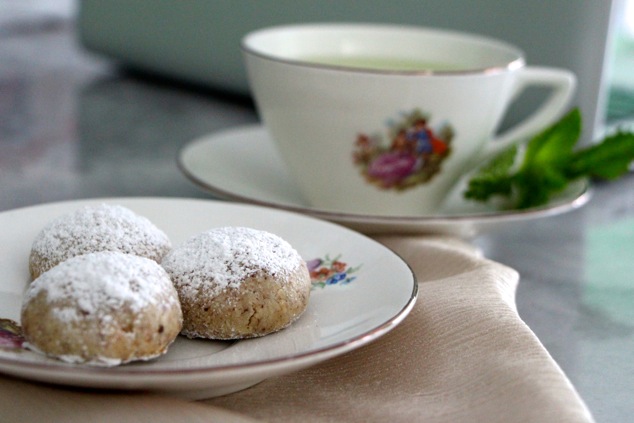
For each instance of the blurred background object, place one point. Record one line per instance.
(23, 16)
(620, 105)
(198, 40)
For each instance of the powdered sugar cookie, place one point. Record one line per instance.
(236, 282)
(104, 308)
(92, 229)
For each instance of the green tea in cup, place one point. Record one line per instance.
(398, 64)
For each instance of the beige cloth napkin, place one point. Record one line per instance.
(462, 355)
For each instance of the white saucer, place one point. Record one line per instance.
(242, 164)
(349, 306)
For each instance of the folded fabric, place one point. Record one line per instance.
(462, 355)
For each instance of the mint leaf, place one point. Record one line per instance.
(553, 146)
(494, 178)
(541, 173)
(548, 155)
(607, 160)
(550, 163)
(535, 186)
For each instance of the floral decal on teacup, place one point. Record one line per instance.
(330, 271)
(414, 153)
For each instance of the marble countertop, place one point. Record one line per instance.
(74, 126)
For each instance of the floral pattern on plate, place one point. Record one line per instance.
(330, 271)
(10, 334)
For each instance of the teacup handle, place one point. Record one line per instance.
(563, 85)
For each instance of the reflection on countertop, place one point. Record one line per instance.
(75, 127)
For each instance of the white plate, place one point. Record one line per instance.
(339, 318)
(242, 164)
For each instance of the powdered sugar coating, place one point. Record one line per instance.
(237, 283)
(221, 258)
(90, 229)
(103, 308)
(102, 283)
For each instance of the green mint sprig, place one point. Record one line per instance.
(550, 163)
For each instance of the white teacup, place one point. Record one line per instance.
(383, 120)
